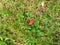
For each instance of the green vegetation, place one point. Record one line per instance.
(14, 22)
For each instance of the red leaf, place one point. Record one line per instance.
(31, 22)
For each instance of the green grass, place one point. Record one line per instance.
(14, 22)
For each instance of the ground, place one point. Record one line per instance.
(14, 22)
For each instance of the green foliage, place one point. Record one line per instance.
(44, 31)
(21, 16)
(6, 13)
(22, 5)
(2, 43)
(30, 15)
(5, 1)
(6, 41)
(9, 42)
